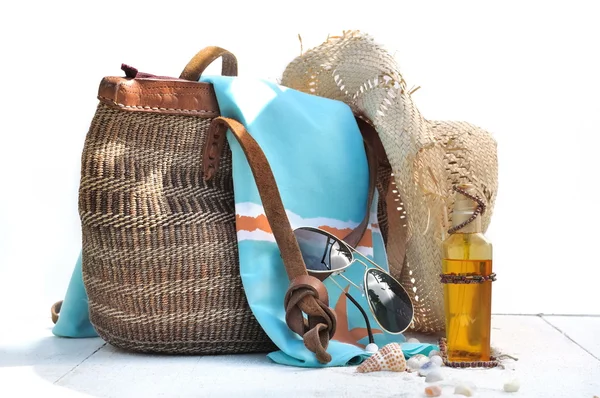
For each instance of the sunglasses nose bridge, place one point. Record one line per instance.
(362, 290)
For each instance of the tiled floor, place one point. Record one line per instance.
(558, 357)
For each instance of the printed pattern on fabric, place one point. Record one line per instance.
(252, 225)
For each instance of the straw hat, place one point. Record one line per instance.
(426, 157)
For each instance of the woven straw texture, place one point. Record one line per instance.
(427, 158)
(160, 260)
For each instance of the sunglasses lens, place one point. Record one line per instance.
(322, 251)
(389, 301)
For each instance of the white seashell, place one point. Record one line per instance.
(512, 385)
(389, 357)
(434, 353)
(371, 347)
(433, 391)
(433, 376)
(462, 389)
(413, 340)
(437, 360)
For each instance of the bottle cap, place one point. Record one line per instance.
(462, 202)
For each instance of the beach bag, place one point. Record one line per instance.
(159, 260)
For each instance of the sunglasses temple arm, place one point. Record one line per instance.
(364, 314)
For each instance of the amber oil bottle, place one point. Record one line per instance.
(467, 277)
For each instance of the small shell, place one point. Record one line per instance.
(434, 353)
(390, 357)
(413, 340)
(433, 376)
(462, 389)
(433, 391)
(512, 385)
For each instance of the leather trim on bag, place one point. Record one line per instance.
(173, 97)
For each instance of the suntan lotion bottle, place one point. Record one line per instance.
(467, 278)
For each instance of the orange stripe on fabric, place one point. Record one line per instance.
(245, 223)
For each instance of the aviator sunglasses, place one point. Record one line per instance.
(326, 255)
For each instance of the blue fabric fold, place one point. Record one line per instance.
(74, 318)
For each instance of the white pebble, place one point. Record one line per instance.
(413, 340)
(512, 385)
(433, 391)
(437, 360)
(427, 367)
(371, 348)
(434, 353)
(433, 376)
(415, 362)
(461, 389)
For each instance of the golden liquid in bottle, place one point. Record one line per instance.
(468, 312)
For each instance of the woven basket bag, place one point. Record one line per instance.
(159, 256)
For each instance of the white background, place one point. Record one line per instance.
(528, 72)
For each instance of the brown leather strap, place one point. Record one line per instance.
(397, 230)
(171, 97)
(194, 69)
(55, 310)
(357, 233)
(308, 285)
(306, 294)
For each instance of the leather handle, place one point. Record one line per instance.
(55, 311)
(306, 293)
(194, 69)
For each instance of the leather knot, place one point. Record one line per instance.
(308, 295)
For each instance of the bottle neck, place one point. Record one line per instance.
(460, 216)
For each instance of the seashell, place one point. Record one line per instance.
(415, 362)
(437, 360)
(465, 390)
(413, 340)
(390, 357)
(512, 385)
(433, 376)
(434, 353)
(433, 391)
